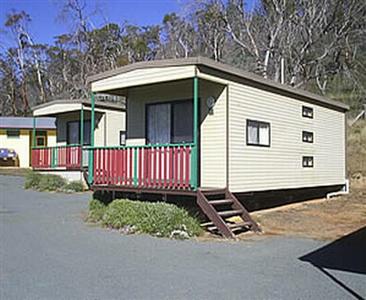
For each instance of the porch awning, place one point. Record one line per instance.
(57, 107)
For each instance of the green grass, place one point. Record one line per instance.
(32, 180)
(51, 183)
(74, 186)
(96, 211)
(157, 219)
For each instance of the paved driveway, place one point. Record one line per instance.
(47, 252)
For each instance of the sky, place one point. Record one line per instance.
(45, 26)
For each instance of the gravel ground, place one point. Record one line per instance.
(47, 252)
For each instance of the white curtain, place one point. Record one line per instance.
(252, 133)
(264, 134)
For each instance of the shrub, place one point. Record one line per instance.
(159, 219)
(74, 186)
(32, 180)
(96, 210)
(50, 182)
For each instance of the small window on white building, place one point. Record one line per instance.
(13, 133)
(258, 133)
(307, 112)
(307, 137)
(122, 138)
(308, 161)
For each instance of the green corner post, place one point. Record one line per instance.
(194, 163)
(34, 132)
(91, 151)
(81, 133)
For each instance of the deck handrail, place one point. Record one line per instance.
(54, 157)
(164, 166)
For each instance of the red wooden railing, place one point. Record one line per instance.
(68, 157)
(164, 166)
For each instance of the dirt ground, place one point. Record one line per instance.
(318, 219)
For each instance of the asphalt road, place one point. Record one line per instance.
(47, 252)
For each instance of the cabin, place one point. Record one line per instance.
(17, 134)
(69, 156)
(203, 129)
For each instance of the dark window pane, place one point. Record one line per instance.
(13, 133)
(87, 132)
(182, 122)
(73, 132)
(40, 141)
(158, 123)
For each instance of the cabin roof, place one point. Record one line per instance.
(222, 70)
(26, 123)
(85, 102)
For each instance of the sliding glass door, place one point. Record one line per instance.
(169, 123)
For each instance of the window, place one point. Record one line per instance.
(307, 112)
(307, 137)
(40, 141)
(258, 133)
(73, 132)
(13, 133)
(170, 122)
(122, 138)
(308, 161)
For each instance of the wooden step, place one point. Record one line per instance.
(212, 192)
(220, 202)
(229, 213)
(217, 214)
(232, 226)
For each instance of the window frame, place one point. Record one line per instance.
(258, 125)
(306, 110)
(11, 136)
(304, 133)
(305, 160)
(171, 103)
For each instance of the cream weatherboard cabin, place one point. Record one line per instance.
(201, 128)
(69, 156)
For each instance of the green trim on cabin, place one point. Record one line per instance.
(91, 154)
(141, 146)
(194, 162)
(81, 132)
(34, 133)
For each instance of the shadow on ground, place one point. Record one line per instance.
(345, 254)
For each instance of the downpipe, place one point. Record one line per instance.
(343, 191)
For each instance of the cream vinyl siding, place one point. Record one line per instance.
(143, 76)
(115, 122)
(253, 168)
(213, 126)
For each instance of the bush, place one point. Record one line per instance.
(159, 219)
(32, 180)
(96, 210)
(50, 182)
(74, 186)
